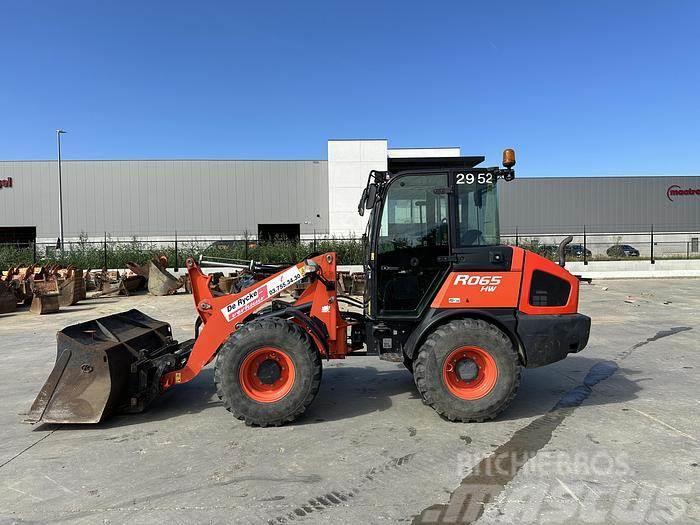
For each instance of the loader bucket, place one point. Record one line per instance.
(132, 284)
(8, 299)
(160, 280)
(72, 288)
(43, 304)
(46, 296)
(138, 269)
(111, 364)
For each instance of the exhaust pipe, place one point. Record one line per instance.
(561, 250)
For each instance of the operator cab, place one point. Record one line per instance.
(425, 214)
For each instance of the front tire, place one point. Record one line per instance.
(408, 363)
(268, 372)
(467, 370)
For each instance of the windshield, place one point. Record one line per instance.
(477, 214)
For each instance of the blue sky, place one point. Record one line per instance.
(578, 88)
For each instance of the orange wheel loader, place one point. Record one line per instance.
(463, 312)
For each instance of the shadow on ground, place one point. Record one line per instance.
(82, 306)
(350, 391)
(541, 388)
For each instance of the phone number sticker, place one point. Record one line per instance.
(262, 293)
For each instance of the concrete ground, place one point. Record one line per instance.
(621, 445)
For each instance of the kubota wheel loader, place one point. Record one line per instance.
(463, 312)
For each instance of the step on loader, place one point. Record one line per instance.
(462, 311)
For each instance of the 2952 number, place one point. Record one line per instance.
(470, 178)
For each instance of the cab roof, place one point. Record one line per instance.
(418, 163)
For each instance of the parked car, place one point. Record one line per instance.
(622, 250)
(550, 250)
(224, 245)
(577, 250)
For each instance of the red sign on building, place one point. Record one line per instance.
(677, 191)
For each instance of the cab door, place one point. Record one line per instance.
(412, 244)
(475, 232)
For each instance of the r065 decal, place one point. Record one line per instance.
(478, 280)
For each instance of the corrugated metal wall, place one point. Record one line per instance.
(156, 198)
(602, 204)
(160, 197)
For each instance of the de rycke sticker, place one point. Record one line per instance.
(262, 293)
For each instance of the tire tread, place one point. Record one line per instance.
(427, 389)
(290, 330)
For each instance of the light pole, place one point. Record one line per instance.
(60, 132)
(310, 222)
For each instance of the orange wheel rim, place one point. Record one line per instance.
(469, 372)
(267, 374)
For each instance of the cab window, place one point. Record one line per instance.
(477, 213)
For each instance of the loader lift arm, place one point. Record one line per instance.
(223, 315)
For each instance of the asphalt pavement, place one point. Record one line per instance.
(607, 435)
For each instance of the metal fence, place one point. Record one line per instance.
(110, 253)
(586, 246)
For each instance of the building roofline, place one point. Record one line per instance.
(356, 140)
(166, 160)
(518, 177)
(429, 147)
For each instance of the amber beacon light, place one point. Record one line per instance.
(508, 158)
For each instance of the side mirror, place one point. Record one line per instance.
(371, 196)
(361, 205)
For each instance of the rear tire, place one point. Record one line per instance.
(481, 352)
(268, 372)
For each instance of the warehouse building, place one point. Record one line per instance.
(158, 199)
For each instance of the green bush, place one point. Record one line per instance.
(91, 254)
(545, 250)
(11, 256)
(349, 251)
